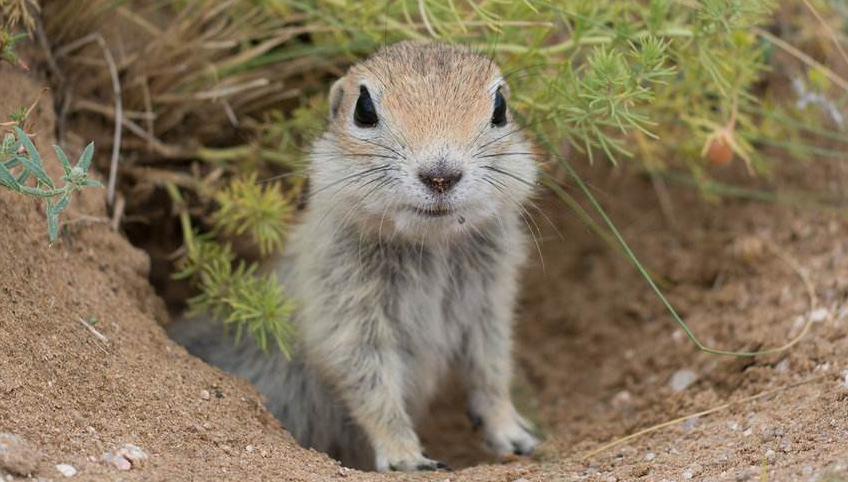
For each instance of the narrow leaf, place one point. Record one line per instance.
(23, 177)
(85, 158)
(52, 222)
(37, 171)
(34, 158)
(61, 204)
(6, 177)
(63, 159)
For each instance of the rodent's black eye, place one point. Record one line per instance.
(365, 115)
(499, 114)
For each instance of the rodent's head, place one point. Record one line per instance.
(421, 144)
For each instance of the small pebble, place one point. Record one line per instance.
(66, 470)
(688, 475)
(133, 453)
(681, 380)
(696, 469)
(770, 455)
(204, 394)
(17, 455)
(818, 315)
(117, 461)
(611, 478)
(343, 471)
(807, 470)
(522, 479)
(747, 432)
(650, 456)
(249, 448)
(767, 434)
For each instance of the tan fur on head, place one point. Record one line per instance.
(429, 90)
(435, 104)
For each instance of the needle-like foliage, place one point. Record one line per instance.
(231, 291)
(674, 87)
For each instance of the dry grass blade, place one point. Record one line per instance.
(827, 29)
(813, 301)
(703, 413)
(803, 57)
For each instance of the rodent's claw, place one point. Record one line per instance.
(421, 464)
(514, 438)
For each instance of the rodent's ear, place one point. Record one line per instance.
(336, 94)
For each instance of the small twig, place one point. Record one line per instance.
(116, 91)
(118, 212)
(165, 150)
(85, 104)
(828, 29)
(93, 330)
(119, 115)
(85, 218)
(48, 54)
(798, 54)
(698, 414)
(666, 206)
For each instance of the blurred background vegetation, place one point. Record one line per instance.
(216, 103)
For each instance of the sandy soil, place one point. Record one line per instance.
(596, 351)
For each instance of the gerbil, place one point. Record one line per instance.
(405, 266)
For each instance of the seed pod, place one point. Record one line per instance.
(719, 152)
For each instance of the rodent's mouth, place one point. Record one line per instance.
(434, 212)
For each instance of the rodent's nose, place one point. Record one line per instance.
(440, 181)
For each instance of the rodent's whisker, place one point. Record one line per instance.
(482, 148)
(354, 154)
(374, 143)
(524, 215)
(509, 174)
(353, 176)
(505, 154)
(374, 177)
(364, 197)
(533, 204)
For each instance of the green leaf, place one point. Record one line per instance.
(92, 183)
(61, 204)
(63, 159)
(52, 222)
(23, 177)
(34, 157)
(85, 159)
(6, 177)
(37, 171)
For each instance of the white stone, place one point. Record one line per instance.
(818, 315)
(682, 379)
(66, 470)
(650, 456)
(133, 453)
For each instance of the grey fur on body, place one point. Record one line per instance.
(390, 295)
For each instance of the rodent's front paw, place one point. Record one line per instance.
(510, 437)
(418, 462)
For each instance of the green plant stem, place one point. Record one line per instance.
(626, 247)
(584, 40)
